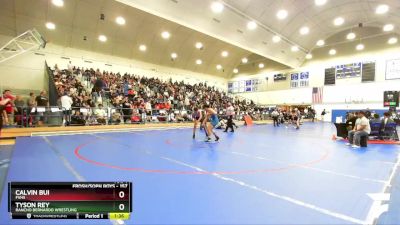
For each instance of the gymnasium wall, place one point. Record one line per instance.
(23, 73)
(26, 72)
(348, 93)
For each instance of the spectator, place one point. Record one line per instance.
(9, 107)
(70, 67)
(116, 117)
(66, 104)
(31, 102)
(361, 129)
(41, 102)
(385, 121)
(376, 119)
(312, 114)
(100, 114)
(351, 121)
(3, 104)
(19, 109)
(77, 119)
(323, 113)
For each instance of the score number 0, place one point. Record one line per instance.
(121, 206)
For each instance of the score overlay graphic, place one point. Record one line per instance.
(70, 200)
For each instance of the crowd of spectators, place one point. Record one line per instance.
(135, 98)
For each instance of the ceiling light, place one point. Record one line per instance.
(392, 40)
(308, 56)
(261, 65)
(50, 26)
(320, 42)
(199, 45)
(235, 70)
(304, 30)
(251, 25)
(245, 60)
(295, 48)
(102, 38)
(332, 52)
(224, 54)
(174, 55)
(382, 9)
(219, 67)
(319, 2)
(282, 14)
(142, 48)
(276, 39)
(359, 47)
(58, 3)
(351, 36)
(120, 20)
(217, 7)
(165, 35)
(199, 62)
(388, 27)
(338, 21)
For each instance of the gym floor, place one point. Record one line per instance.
(257, 175)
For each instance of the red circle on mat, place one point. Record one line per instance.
(200, 171)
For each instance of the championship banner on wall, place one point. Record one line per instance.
(244, 86)
(392, 69)
(299, 79)
(349, 70)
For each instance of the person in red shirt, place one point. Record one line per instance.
(3, 104)
(9, 106)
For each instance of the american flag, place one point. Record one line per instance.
(317, 94)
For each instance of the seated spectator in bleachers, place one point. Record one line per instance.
(100, 114)
(375, 119)
(116, 117)
(361, 129)
(78, 119)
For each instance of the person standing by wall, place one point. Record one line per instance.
(3, 104)
(323, 113)
(41, 102)
(9, 108)
(66, 103)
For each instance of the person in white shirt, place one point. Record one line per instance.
(230, 112)
(362, 128)
(100, 114)
(148, 109)
(66, 103)
(70, 66)
(275, 116)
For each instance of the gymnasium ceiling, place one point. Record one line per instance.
(224, 31)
